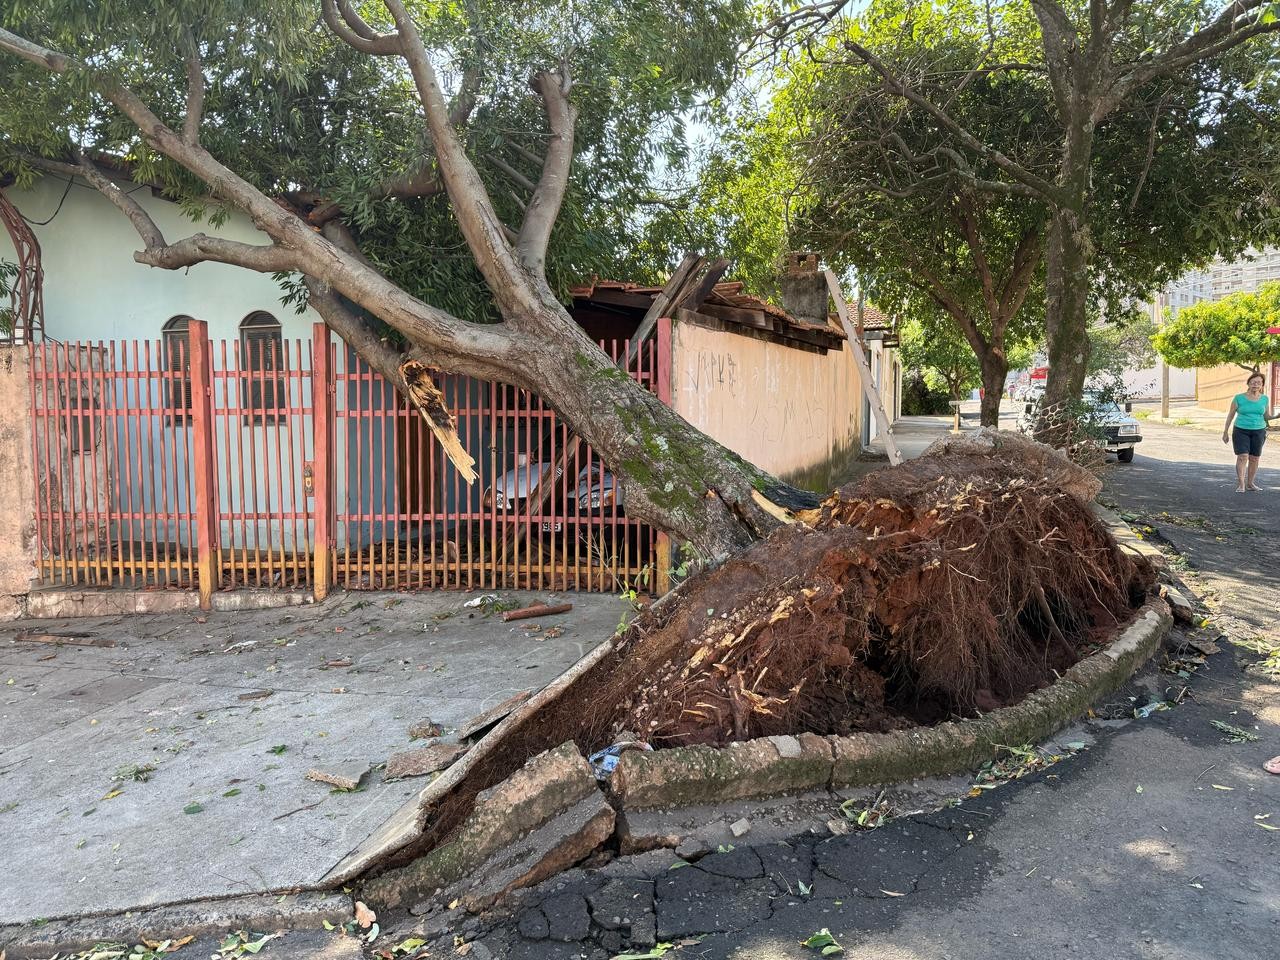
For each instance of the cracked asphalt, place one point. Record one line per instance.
(1149, 843)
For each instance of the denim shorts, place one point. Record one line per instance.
(1248, 441)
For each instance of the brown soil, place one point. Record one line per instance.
(954, 584)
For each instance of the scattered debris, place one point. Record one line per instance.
(490, 603)
(364, 916)
(537, 610)
(425, 730)
(345, 776)
(137, 772)
(242, 943)
(740, 828)
(604, 761)
(342, 662)
(1182, 609)
(1207, 647)
(423, 761)
(480, 724)
(255, 695)
(72, 639)
(1233, 733)
(824, 943)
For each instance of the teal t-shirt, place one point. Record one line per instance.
(1251, 414)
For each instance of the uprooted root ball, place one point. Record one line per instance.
(946, 586)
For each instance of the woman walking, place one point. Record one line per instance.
(1249, 410)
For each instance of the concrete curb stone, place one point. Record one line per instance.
(266, 912)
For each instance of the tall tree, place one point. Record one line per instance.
(360, 137)
(1097, 59)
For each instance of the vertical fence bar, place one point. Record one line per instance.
(662, 560)
(322, 464)
(206, 497)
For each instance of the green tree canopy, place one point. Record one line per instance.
(306, 117)
(1230, 330)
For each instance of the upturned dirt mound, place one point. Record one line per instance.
(953, 584)
(944, 587)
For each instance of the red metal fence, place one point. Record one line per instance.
(275, 463)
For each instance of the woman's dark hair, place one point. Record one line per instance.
(1257, 373)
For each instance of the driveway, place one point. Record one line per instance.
(156, 759)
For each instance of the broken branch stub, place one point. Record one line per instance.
(426, 396)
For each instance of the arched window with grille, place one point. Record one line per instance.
(262, 361)
(175, 341)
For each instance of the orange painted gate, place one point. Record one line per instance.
(270, 463)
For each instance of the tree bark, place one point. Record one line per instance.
(1066, 312)
(994, 370)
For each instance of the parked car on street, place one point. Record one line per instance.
(1120, 429)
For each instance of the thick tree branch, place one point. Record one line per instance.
(472, 207)
(195, 92)
(152, 237)
(200, 248)
(352, 30)
(1026, 258)
(544, 208)
(966, 218)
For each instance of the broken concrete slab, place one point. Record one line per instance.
(548, 786)
(479, 724)
(423, 761)
(344, 776)
(552, 848)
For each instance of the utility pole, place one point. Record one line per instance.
(1157, 307)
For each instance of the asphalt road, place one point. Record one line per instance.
(1150, 843)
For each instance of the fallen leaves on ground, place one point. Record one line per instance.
(824, 943)
(1233, 733)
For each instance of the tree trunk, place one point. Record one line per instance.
(675, 477)
(1066, 314)
(994, 370)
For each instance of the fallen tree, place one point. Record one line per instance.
(101, 85)
(946, 587)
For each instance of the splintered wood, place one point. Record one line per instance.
(426, 396)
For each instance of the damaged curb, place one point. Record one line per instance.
(682, 776)
(198, 918)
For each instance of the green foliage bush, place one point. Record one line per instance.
(1230, 330)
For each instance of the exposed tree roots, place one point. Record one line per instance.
(953, 584)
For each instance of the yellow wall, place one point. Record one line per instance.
(783, 409)
(1217, 386)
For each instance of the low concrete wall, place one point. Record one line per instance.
(17, 497)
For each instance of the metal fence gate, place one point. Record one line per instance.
(273, 463)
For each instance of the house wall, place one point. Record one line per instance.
(94, 290)
(1144, 384)
(17, 519)
(792, 412)
(1216, 387)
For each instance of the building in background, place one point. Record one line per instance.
(1248, 273)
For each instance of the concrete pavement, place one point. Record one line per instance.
(172, 765)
